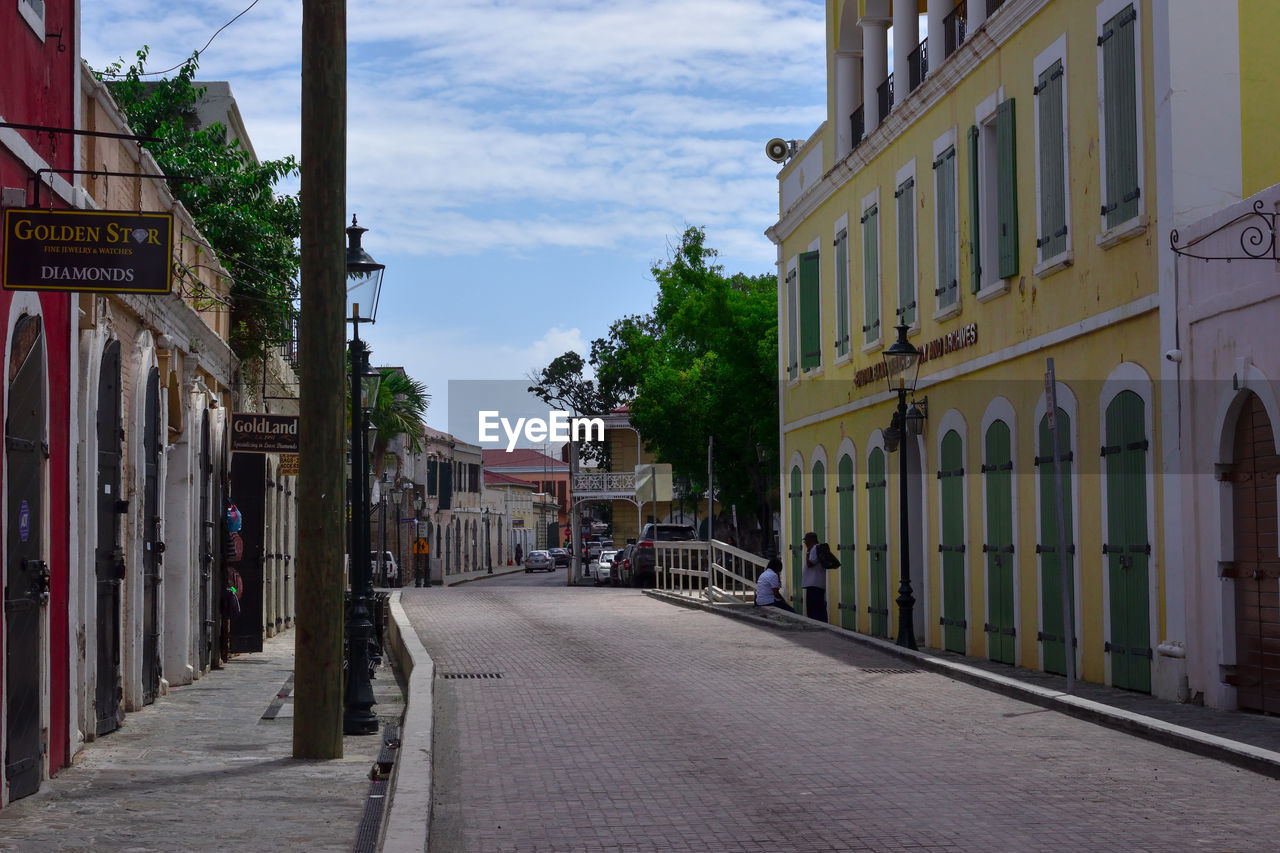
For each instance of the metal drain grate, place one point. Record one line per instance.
(883, 671)
(470, 675)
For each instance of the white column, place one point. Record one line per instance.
(875, 66)
(976, 12)
(906, 37)
(937, 13)
(848, 85)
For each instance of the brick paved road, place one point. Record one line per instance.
(622, 723)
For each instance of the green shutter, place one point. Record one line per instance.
(818, 493)
(793, 343)
(870, 275)
(998, 474)
(1120, 112)
(810, 293)
(1052, 555)
(947, 290)
(796, 501)
(975, 225)
(1052, 240)
(842, 293)
(951, 477)
(1127, 546)
(846, 545)
(877, 545)
(906, 196)
(1007, 189)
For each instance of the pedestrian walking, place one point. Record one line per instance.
(814, 580)
(769, 587)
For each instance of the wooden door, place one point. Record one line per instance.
(1127, 548)
(1053, 556)
(846, 545)
(109, 565)
(797, 536)
(997, 473)
(877, 544)
(955, 626)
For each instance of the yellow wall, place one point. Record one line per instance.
(1259, 94)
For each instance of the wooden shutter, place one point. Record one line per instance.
(810, 337)
(1120, 114)
(906, 196)
(1052, 240)
(975, 225)
(845, 546)
(842, 293)
(952, 546)
(793, 325)
(947, 290)
(1007, 190)
(818, 493)
(870, 275)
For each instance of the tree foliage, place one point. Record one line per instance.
(400, 409)
(703, 364)
(232, 199)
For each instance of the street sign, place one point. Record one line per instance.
(421, 546)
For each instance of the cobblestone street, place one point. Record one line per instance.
(623, 723)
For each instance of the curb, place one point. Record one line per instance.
(1246, 756)
(408, 820)
(471, 577)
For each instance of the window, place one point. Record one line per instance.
(870, 275)
(842, 287)
(810, 319)
(1119, 116)
(993, 197)
(1051, 155)
(947, 288)
(32, 12)
(793, 342)
(905, 197)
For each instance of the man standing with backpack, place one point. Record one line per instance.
(814, 580)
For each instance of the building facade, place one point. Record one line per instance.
(1006, 193)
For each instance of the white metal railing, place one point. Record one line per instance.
(682, 568)
(604, 481)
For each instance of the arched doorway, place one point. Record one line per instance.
(1255, 567)
(878, 542)
(1127, 547)
(207, 528)
(151, 545)
(26, 590)
(108, 557)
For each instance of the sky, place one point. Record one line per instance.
(520, 164)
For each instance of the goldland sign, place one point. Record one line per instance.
(104, 251)
(252, 432)
(965, 336)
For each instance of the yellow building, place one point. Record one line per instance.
(1005, 190)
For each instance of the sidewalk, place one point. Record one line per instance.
(207, 767)
(1251, 741)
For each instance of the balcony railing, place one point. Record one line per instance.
(605, 482)
(992, 5)
(857, 121)
(884, 94)
(953, 28)
(918, 65)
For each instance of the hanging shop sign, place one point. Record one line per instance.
(102, 251)
(252, 432)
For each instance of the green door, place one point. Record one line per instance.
(997, 472)
(1127, 549)
(845, 545)
(951, 480)
(818, 496)
(1052, 555)
(877, 545)
(797, 533)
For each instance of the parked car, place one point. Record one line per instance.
(644, 557)
(560, 556)
(621, 574)
(538, 561)
(601, 568)
(385, 572)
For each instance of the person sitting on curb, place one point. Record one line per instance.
(769, 587)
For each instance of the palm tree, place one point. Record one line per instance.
(400, 409)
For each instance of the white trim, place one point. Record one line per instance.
(1000, 409)
(1056, 52)
(1105, 11)
(984, 117)
(34, 17)
(953, 421)
(1058, 336)
(1129, 376)
(1066, 402)
(947, 140)
(907, 173)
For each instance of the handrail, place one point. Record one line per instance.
(953, 28)
(884, 92)
(715, 570)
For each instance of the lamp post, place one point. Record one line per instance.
(902, 366)
(364, 275)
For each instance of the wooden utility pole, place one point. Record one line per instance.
(317, 723)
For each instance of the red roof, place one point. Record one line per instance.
(494, 478)
(523, 457)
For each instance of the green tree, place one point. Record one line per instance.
(231, 197)
(400, 409)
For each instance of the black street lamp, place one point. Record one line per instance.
(364, 276)
(902, 367)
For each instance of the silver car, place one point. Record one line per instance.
(601, 568)
(538, 561)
